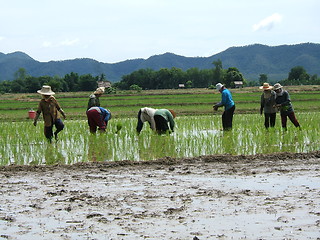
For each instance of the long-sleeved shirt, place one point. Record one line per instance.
(285, 101)
(267, 102)
(226, 99)
(166, 114)
(50, 110)
(93, 101)
(146, 115)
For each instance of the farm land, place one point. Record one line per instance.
(197, 183)
(14, 107)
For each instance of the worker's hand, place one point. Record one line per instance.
(63, 114)
(215, 107)
(34, 123)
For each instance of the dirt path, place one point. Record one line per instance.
(213, 197)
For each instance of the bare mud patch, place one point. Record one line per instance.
(274, 196)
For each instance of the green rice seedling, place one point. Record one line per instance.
(22, 143)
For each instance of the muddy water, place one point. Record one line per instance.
(214, 197)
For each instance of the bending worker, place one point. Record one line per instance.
(146, 114)
(98, 117)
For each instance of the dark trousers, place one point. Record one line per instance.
(95, 120)
(292, 118)
(227, 118)
(48, 131)
(161, 124)
(269, 119)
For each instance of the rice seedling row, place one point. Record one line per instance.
(23, 144)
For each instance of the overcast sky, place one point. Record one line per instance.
(116, 30)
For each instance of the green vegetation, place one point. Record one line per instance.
(197, 127)
(15, 107)
(23, 144)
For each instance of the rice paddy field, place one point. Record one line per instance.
(197, 129)
(248, 183)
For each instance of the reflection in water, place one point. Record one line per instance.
(156, 146)
(53, 154)
(98, 148)
(193, 136)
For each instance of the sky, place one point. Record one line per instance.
(113, 31)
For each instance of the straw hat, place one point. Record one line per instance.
(219, 86)
(99, 90)
(277, 86)
(266, 86)
(46, 90)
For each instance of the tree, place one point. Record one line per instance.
(21, 74)
(298, 73)
(135, 87)
(87, 82)
(189, 84)
(17, 87)
(5, 86)
(263, 78)
(217, 72)
(233, 74)
(72, 81)
(32, 84)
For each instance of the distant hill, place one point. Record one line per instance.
(251, 60)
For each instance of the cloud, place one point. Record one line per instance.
(69, 42)
(1, 38)
(268, 23)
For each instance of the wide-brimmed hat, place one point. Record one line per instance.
(219, 86)
(99, 90)
(46, 90)
(266, 86)
(277, 86)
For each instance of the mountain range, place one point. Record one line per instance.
(251, 60)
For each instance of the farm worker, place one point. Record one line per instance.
(94, 100)
(98, 117)
(146, 114)
(50, 109)
(229, 106)
(164, 120)
(268, 100)
(283, 103)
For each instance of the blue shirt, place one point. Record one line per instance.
(105, 114)
(226, 99)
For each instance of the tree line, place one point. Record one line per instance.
(72, 82)
(206, 78)
(150, 79)
(171, 78)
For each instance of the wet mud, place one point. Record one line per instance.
(273, 196)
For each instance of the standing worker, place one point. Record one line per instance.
(98, 117)
(146, 114)
(229, 106)
(94, 100)
(267, 102)
(50, 109)
(162, 118)
(283, 102)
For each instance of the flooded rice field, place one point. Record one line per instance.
(24, 144)
(196, 183)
